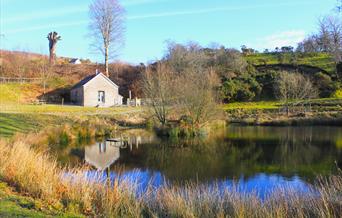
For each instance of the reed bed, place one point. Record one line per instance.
(37, 174)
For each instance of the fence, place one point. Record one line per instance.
(134, 102)
(19, 80)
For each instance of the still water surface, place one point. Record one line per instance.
(246, 157)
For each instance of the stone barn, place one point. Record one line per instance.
(96, 91)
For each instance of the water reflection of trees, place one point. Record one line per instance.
(305, 151)
(288, 152)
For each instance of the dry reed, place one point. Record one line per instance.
(37, 174)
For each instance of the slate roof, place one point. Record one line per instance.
(74, 60)
(83, 81)
(88, 78)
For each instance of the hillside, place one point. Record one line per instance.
(62, 76)
(59, 77)
(316, 60)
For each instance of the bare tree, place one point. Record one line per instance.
(181, 57)
(339, 6)
(196, 96)
(330, 33)
(232, 60)
(193, 81)
(159, 90)
(291, 87)
(189, 94)
(331, 37)
(106, 27)
(44, 69)
(53, 38)
(309, 45)
(328, 39)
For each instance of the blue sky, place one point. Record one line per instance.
(149, 24)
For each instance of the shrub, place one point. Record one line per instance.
(337, 94)
(245, 89)
(149, 124)
(174, 132)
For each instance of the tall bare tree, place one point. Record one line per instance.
(53, 38)
(339, 6)
(196, 96)
(189, 94)
(328, 39)
(291, 87)
(331, 37)
(159, 87)
(106, 27)
(180, 56)
(45, 72)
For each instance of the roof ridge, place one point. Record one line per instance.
(89, 78)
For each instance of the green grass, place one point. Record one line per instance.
(321, 60)
(24, 123)
(324, 103)
(21, 118)
(12, 123)
(14, 205)
(11, 92)
(58, 109)
(252, 105)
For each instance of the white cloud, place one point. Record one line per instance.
(279, 39)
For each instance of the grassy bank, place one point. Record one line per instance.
(39, 176)
(14, 204)
(320, 104)
(24, 118)
(320, 60)
(12, 123)
(19, 92)
(326, 111)
(64, 109)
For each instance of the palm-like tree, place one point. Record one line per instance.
(53, 37)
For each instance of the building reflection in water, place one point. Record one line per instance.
(103, 154)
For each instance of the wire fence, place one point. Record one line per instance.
(19, 79)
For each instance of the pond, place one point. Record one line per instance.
(247, 157)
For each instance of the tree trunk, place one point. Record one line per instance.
(52, 54)
(106, 61)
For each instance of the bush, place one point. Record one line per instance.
(337, 94)
(240, 89)
(324, 83)
(174, 132)
(149, 124)
(56, 82)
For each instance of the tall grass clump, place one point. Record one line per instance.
(37, 174)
